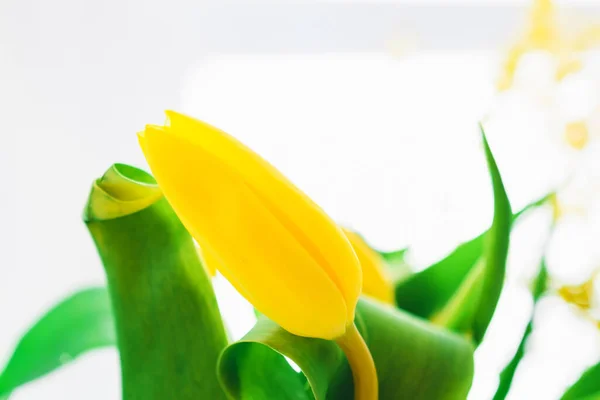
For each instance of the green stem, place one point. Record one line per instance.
(361, 363)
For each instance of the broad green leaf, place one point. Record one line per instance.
(168, 325)
(495, 252)
(458, 313)
(414, 359)
(256, 381)
(80, 323)
(587, 387)
(506, 376)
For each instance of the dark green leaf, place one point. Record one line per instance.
(78, 324)
(169, 328)
(414, 360)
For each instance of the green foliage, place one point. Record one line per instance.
(411, 356)
(426, 292)
(506, 376)
(80, 323)
(172, 342)
(587, 387)
(168, 325)
(460, 292)
(495, 253)
(395, 259)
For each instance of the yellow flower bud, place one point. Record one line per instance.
(277, 247)
(376, 283)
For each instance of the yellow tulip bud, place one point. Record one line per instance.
(277, 247)
(376, 283)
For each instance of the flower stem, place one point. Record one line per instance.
(361, 363)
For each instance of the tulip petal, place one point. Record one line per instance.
(300, 215)
(376, 282)
(257, 253)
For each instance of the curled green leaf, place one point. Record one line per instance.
(168, 325)
(411, 357)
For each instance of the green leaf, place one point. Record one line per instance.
(395, 259)
(458, 313)
(587, 387)
(80, 323)
(461, 291)
(278, 381)
(414, 359)
(427, 292)
(506, 376)
(398, 267)
(168, 325)
(496, 250)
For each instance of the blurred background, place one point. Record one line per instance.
(372, 108)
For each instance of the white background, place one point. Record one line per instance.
(371, 108)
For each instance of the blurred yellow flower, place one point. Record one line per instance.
(577, 134)
(566, 66)
(376, 283)
(543, 33)
(579, 295)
